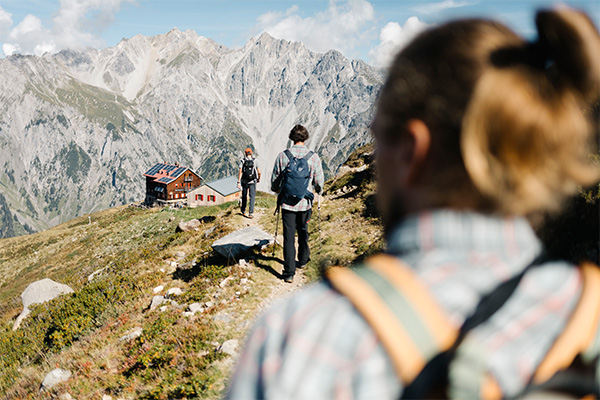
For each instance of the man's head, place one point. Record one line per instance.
(248, 152)
(298, 134)
(468, 119)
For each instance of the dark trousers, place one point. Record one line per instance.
(295, 221)
(248, 189)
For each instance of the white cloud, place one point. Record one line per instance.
(29, 34)
(76, 25)
(433, 8)
(393, 38)
(343, 26)
(5, 21)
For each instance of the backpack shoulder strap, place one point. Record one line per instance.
(289, 154)
(582, 332)
(308, 155)
(410, 324)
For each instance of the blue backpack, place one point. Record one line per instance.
(296, 178)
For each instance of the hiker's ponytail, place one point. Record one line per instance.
(525, 134)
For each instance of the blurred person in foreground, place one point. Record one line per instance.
(475, 130)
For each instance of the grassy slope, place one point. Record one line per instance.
(133, 249)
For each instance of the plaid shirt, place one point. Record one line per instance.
(316, 175)
(315, 345)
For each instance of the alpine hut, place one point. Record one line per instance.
(215, 192)
(170, 183)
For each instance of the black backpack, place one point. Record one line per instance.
(248, 170)
(296, 178)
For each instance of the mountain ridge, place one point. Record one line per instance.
(77, 129)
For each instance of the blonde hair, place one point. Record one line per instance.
(509, 133)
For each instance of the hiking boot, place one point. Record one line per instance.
(251, 216)
(288, 279)
(300, 266)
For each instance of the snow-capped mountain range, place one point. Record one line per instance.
(78, 129)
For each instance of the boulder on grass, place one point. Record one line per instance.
(40, 292)
(239, 242)
(55, 377)
(187, 226)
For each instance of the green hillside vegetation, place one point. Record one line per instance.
(115, 258)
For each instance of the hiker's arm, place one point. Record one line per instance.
(258, 172)
(239, 178)
(319, 177)
(276, 175)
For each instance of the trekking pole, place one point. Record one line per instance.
(276, 225)
(319, 212)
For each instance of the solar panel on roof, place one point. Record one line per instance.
(178, 171)
(165, 180)
(152, 170)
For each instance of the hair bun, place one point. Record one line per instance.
(570, 39)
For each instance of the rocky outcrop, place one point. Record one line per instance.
(40, 292)
(239, 242)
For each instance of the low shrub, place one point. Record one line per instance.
(57, 324)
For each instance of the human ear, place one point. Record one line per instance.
(417, 150)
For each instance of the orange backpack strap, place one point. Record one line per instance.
(582, 331)
(409, 323)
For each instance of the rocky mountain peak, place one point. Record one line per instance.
(77, 129)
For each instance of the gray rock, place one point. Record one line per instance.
(187, 226)
(196, 308)
(239, 242)
(158, 289)
(94, 274)
(65, 396)
(225, 281)
(132, 334)
(174, 292)
(171, 267)
(40, 292)
(229, 347)
(157, 301)
(55, 377)
(209, 231)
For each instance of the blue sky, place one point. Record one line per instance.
(367, 29)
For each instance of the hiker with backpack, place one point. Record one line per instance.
(297, 173)
(476, 129)
(248, 177)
